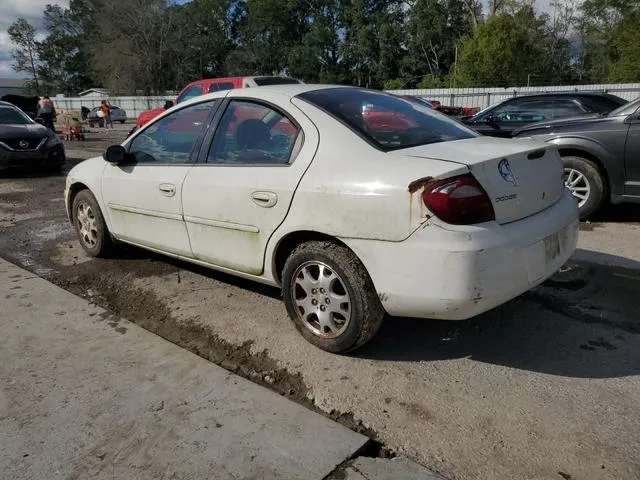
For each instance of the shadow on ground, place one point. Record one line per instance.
(581, 323)
(621, 213)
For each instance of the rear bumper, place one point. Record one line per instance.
(454, 273)
(44, 157)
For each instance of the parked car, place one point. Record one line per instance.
(210, 85)
(503, 118)
(117, 115)
(27, 143)
(350, 221)
(601, 155)
(28, 105)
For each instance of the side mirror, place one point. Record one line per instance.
(115, 154)
(38, 120)
(490, 119)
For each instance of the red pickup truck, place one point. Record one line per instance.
(210, 85)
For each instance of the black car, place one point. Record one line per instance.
(501, 119)
(601, 155)
(27, 143)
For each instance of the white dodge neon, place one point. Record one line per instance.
(355, 202)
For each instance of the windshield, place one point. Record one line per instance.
(265, 81)
(13, 116)
(626, 109)
(386, 121)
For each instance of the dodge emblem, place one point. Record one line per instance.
(505, 171)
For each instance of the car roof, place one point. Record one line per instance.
(562, 94)
(7, 104)
(289, 90)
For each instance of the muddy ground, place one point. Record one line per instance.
(546, 386)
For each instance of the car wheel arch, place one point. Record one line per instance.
(583, 153)
(289, 242)
(74, 189)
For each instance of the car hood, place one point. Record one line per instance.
(23, 132)
(569, 122)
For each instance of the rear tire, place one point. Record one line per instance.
(90, 226)
(584, 181)
(330, 297)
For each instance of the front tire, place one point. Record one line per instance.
(582, 178)
(90, 225)
(330, 297)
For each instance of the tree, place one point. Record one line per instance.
(373, 40)
(602, 26)
(25, 54)
(623, 50)
(64, 61)
(503, 51)
(270, 30)
(433, 28)
(318, 56)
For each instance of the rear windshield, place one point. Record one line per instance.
(264, 81)
(386, 121)
(12, 116)
(220, 86)
(603, 104)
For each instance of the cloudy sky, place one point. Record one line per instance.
(11, 10)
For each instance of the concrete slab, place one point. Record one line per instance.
(84, 394)
(364, 468)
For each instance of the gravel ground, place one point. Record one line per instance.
(545, 386)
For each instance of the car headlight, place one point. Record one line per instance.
(53, 140)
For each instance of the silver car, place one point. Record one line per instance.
(117, 115)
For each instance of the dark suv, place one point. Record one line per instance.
(601, 155)
(501, 119)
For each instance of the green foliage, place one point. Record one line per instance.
(503, 51)
(151, 46)
(394, 84)
(610, 38)
(433, 28)
(623, 50)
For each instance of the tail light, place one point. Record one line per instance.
(458, 200)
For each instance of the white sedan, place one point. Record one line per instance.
(356, 203)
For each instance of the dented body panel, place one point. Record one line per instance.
(453, 273)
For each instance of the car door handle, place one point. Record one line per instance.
(167, 189)
(264, 199)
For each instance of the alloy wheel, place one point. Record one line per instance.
(322, 301)
(578, 185)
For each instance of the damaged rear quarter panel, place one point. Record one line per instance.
(352, 190)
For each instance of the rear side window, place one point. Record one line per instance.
(524, 110)
(190, 92)
(600, 104)
(218, 87)
(253, 134)
(264, 81)
(386, 121)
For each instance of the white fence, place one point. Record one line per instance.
(483, 97)
(455, 97)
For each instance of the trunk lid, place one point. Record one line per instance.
(521, 177)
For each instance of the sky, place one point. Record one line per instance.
(32, 10)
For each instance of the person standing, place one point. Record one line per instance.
(47, 112)
(105, 108)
